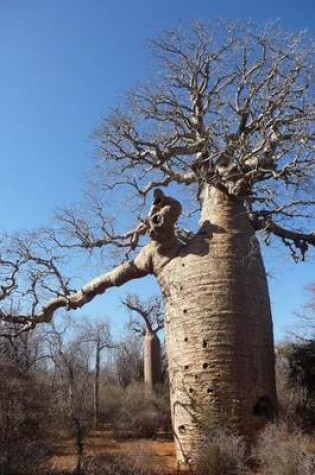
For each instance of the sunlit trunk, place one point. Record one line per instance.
(218, 328)
(152, 362)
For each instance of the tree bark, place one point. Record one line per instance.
(218, 327)
(152, 362)
(97, 382)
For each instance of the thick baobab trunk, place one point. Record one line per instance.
(218, 327)
(152, 362)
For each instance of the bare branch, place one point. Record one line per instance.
(296, 241)
(151, 312)
(233, 110)
(117, 277)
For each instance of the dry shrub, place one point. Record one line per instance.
(143, 424)
(224, 454)
(295, 408)
(114, 465)
(26, 459)
(138, 417)
(285, 451)
(24, 422)
(111, 401)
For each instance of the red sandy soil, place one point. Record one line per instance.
(157, 453)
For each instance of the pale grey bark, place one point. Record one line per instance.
(135, 269)
(152, 362)
(151, 322)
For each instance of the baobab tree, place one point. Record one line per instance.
(152, 321)
(230, 114)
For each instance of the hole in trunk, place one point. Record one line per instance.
(185, 310)
(186, 339)
(182, 429)
(186, 366)
(210, 390)
(264, 408)
(205, 365)
(204, 344)
(190, 390)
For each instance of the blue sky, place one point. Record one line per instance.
(64, 63)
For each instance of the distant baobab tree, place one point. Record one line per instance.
(149, 320)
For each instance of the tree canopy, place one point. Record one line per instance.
(231, 106)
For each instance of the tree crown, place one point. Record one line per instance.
(230, 106)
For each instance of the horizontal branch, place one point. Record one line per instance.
(117, 277)
(292, 239)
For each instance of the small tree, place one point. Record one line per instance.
(129, 360)
(301, 358)
(99, 336)
(300, 353)
(73, 391)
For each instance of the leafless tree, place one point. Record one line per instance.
(99, 336)
(73, 382)
(129, 360)
(230, 113)
(25, 404)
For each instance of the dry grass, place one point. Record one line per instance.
(224, 454)
(139, 464)
(282, 450)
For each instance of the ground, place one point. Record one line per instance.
(157, 453)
